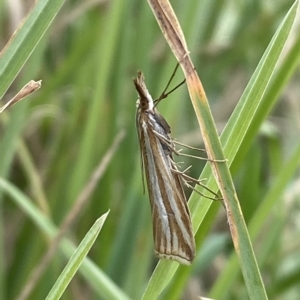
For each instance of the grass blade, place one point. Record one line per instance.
(255, 89)
(76, 259)
(101, 283)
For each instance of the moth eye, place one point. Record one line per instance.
(145, 103)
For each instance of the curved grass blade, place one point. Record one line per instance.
(160, 277)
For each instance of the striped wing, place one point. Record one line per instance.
(172, 228)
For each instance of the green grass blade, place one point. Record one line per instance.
(109, 38)
(231, 139)
(12, 59)
(270, 97)
(229, 274)
(25, 40)
(100, 282)
(76, 259)
(86, 60)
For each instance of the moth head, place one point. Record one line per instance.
(145, 101)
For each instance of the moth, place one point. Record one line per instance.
(172, 227)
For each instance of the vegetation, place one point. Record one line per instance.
(83, 119)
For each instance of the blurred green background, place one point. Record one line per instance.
(52, 142)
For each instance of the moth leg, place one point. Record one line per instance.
(169, 144)
(186, 178)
